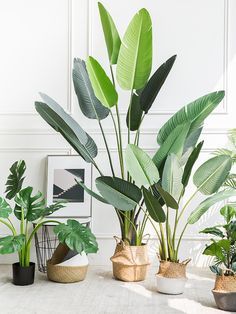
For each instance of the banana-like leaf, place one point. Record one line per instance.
(140, 166)
(210, 176)
(173, 144)
(135, 57)
(172, 176)
(134, 114)
(111, 34)
(192, 139)
(168, 199)
(103, 88)
(230, 181)
(214, 231)
(153, 206)
(15, 179)
(5, 208)
(63, 123)
(92, 193)
(203, 207)
(155, 84)
(190, 163)
(121, 194)
(196, 112)
(32, 206)
(77, 237)
(88, 102)
(11, 244)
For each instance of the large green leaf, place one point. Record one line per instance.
(214, 231)
(210, 176)
(11, 244)
(153, 206)
(173, 144)
(135, 57)
(63, 123)
(77, 237)
(51, 209)
(134, 114)
(192, 139)
(203, 207)
(121, 194)
(196, 112)
(172, 176)
(190, 163)
(140, 166)
(15, 179)
(5, 208)
(228, 212)
(168, 199)
(215, 249)
(155, 84)
(111, 35)
(32, 206)
(92, 193)
(103, 88)
(89, 104)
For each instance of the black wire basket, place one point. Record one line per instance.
(46, 242)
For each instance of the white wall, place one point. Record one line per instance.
(39, 40)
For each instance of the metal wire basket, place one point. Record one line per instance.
(46, 242)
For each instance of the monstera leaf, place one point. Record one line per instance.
(195, 112)
(102, 85)
(77, 237)
(5, 208)
(15, 179)
(155, 84)
(140, 166)
(203, 207)
(134, 114)
(63, 123)
(111, 35)
(11, 244)
(32, 206)
(135, 57)
(89, 104)
(153, 206)
(49, 210)
(121, 194)
(210, 176)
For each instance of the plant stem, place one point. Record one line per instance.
(107, 149)
(11, 227)
(136, 140)
(129, 117)
(186, 205)
(180, 239)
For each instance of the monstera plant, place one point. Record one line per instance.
(142, 185)
(31, 208)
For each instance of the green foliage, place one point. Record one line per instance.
(5, 208)
(140, 166)
(11, 244)
(111, 34)
(102, 85)
(135, 57)
(153, 206)
(154, 85)
(88, 102)
(195, 112)
(214, 231)
(168, 199)
(134, 114)
(76, 236)
(121, 194)
(92, 193)
(63, 123)
(210, 176)
(15, 179)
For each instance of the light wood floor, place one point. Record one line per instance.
(100, 293)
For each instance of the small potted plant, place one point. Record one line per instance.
(223, 249)
(30, 208)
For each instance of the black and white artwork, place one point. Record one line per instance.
(65, 186)
(62, 174)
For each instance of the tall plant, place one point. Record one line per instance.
(137, 191)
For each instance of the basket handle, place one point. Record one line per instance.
(186, 261)
(146, 237)
(119, 240)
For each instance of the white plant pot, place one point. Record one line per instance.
(170, 285)
(76, 260)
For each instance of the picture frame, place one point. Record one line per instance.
(62, 170)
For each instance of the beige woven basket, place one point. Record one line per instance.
(130, 263)
(225, 283)
(64, 274)
(173, 270)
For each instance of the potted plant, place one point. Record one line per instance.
(223, 249)
(128, 189)
(29, 208)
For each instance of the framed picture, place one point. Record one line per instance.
(62, 171)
